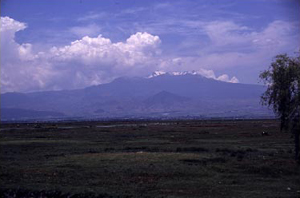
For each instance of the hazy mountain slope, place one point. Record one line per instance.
(186, 94)
(13, 113)
(165, 98)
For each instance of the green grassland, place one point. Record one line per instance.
(148, 159)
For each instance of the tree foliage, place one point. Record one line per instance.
(283, 93)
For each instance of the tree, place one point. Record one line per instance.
(283, 93)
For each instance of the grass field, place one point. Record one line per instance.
(148, 159)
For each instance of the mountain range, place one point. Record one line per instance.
(159, 95)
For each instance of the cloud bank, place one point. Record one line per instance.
(84, 62)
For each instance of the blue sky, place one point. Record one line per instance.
(55, 44)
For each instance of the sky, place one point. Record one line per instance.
(64, 44)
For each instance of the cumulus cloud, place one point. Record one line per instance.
(87, 61)
(94, 60)
(225, 78)
(105, 59)
(9, 24)
(12, 49)
(89, 51)
(18, 65)
(208, 73)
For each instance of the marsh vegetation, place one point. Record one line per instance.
(148, 159)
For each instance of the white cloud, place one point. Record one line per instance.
(236, 46)
(93, 60)
(92, 16)
(87, 61)
(89, 30)
(207, 73)
(225, 78)
(232, 37)
(211, 74)
(97, 60)
(223, 33)
(13, 51)
(275, 35)
(100, 52)
(9, 24)
(18, 66)
(234, 80)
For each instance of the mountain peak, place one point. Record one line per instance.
(159, 73)
(202, 72)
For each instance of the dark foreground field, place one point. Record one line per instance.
(148, 159)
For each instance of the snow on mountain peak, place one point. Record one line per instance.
(157, 73)
(202, 72)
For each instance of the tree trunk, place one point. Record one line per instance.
(297, 133)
